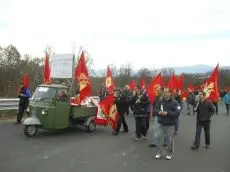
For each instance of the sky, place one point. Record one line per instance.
(145, 33)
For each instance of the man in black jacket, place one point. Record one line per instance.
(122, 98)
(205, 110)
(140, 112)
(167, 110)
(128, 93)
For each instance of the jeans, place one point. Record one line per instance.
(177, 124)
(199, 126)
(147, 121)
(156, 127)
(140, 126)
(162, 133)
(21, 111)
(227, 108)
(216, 106)
(188, 108)
(121, 120)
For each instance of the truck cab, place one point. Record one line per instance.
(49, 108)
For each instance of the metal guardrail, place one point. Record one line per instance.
(8, 104)
(11, 104)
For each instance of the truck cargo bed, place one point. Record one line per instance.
(83, 111)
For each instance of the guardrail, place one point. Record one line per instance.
(9, 104)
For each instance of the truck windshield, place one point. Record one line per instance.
(44, 93)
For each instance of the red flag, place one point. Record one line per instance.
(82, 76)
(100, 118)
(151, 89)
(164, 85)
(211, 85)
(185, 93)
(132, 85)
(109, 109)
(46, 72)
(142, 82)
(180, 81)
(172, 83)
(190, 87)
(109, 83)
(26, 80)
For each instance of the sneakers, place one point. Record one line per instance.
(137, 139)
(158, 156)
(152, 145)
(145, 138)
(115, 133)
(194, 147)
(168, 157)
(207, 146)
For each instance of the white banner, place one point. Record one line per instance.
(61, 66)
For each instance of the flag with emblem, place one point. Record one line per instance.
(82, 76)
(211, 87)
(109, 82)
(109, 109)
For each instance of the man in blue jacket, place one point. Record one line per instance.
(226, 100)
(23, 95)
(167, 110)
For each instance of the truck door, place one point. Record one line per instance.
(62, 110)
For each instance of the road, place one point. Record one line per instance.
(75, 150)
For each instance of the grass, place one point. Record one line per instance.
(7, 114)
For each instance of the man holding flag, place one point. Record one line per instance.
(205, 110)
(122, 98)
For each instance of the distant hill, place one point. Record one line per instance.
(196, 69)
(193, 69)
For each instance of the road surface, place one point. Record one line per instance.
(78, 151)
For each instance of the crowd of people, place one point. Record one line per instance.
(165, 112)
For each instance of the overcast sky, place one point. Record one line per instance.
(147, 33)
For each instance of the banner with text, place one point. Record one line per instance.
(61, 66)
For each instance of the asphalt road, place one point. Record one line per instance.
(78, 151)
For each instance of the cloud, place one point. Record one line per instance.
(146, 33)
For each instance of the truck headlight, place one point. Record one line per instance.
(44, 112)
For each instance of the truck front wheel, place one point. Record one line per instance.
(30, 130)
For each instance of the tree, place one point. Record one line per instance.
(167, 71)
(10, 56)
